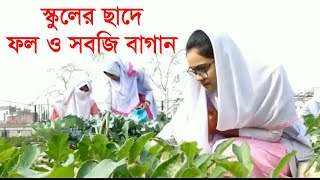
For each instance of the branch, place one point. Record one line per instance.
(54, 91)
(168, 72)
(158, 86)
(70, 75)
(97, 56)
(158, 65)
(171, 61)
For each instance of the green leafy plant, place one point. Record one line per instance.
(116, 147)
(313, 129)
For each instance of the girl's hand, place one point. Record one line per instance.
(145, 105)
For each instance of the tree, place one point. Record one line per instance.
(64, 74)
(98, 56)
(167, 74)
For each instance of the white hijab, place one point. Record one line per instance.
(246, 97)
(76, 102)
(125, 95)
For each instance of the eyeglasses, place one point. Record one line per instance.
(199, 71)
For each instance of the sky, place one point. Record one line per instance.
(268, 31)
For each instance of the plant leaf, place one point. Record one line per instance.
(28, 156)
(125, 129)
(99, 145)
(283, 162)
(104, 169)
(243, 154)
(86, 167)
(237, 169)
(137, 170)
(59, 171)
(83, 147)
(7, 154)
(222, 147)
(138, 145)
(217, 172)
(58, 146)
(198, 161)
(190, 149)
(125, 149)
(192, 173)
(168, 168)
(311, 163)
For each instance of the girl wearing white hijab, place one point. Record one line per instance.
(226, 98)
(128, 88)
(77, 102)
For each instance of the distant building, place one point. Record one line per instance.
(5, 112)
(14, 115)
(304, 96)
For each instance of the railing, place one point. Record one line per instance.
(15, 131)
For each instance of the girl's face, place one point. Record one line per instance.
(111, 76)
(203, 69)
(84, 88)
